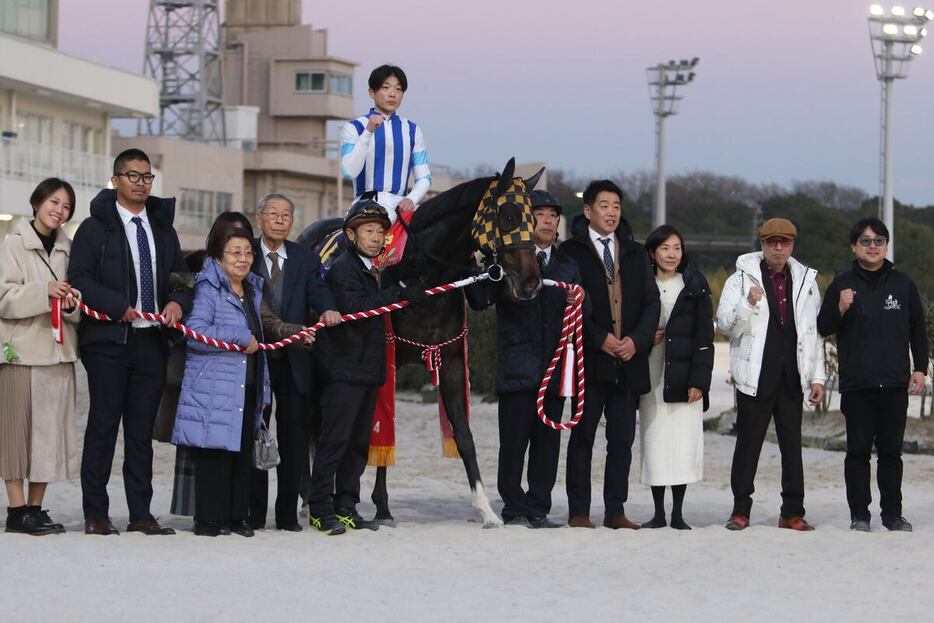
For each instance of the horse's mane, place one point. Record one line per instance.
(462, 197)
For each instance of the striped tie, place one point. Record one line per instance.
(607, 256)
(542, 260)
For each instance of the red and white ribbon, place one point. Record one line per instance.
(431, 353)
(571, 348)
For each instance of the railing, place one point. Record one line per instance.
(33, 162)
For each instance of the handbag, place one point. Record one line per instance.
(265, 449)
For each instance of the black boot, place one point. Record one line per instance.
(20, 520)
(45, 520)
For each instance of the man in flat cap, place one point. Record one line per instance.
(769, 309)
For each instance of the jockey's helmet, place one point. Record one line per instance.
(544, 199)
(366, 210)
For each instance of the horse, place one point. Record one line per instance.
(442, 238)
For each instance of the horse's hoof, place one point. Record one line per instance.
(389, 523)
(493, 523)
(383, 515)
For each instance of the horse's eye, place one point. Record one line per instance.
(509, 217)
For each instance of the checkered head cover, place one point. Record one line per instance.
(503, 221)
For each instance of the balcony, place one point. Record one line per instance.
(24, 164)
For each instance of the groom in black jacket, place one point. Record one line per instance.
(619, 333)
(528, 333)
(121, 259)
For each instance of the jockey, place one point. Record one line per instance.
(381, 151)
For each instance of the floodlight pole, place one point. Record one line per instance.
(659, 214)
(888, 203)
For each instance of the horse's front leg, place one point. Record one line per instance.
(452, 383)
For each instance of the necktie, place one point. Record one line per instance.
(542, 260)
(607, 256)
(375, 272)
(147, 295)
(275, 272)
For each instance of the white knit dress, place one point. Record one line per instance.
(671, 434)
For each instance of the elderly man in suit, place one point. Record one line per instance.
(293, 287)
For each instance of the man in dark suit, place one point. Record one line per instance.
(121, 259)
(619, 333)
(528, 333)
(293, 288)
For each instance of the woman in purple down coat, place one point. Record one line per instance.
(223, 392)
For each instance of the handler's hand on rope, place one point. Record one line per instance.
(171, 314)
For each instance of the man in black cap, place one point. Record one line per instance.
(528, 333)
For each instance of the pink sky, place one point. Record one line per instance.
(785, 90)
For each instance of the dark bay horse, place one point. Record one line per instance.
(440, 250)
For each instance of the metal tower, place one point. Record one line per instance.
(182, 54)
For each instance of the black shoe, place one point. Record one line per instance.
(295, 527)
(353, 521)
(896, 524)
(45, 520)
(518, 520)
(655, 522)
(860, 525)
(211, 528)
(242, 528)
(21, 521)
(331, 526)
(149, 527)
(543, 522)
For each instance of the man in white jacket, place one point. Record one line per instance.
(768, 309)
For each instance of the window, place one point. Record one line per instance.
(78, 137)
(310, 82)
(341, 84)
(34, 128)
(199, 208)
(25, 18)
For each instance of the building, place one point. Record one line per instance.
(55, 110)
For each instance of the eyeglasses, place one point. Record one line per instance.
(240, 255)
(278, 217)
(868, 242)
(774, 241)
(133, 177)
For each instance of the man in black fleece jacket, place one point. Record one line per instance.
(877, 315)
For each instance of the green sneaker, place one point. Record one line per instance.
(330, 526)
(353, 521)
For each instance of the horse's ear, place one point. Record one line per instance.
(531, 182)
(505, 178)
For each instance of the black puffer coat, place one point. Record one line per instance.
(689, 340)
(528, 331)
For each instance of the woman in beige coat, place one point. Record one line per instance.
(38, 441)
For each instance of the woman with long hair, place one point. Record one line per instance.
(671, 422)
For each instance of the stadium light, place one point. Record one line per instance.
(896, 39)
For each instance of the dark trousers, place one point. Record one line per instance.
(874, 415)
(752, 423)
(521, 430)
(341, 455)
(125, 383)
(222, 477)
(615, 402)
(292, 439)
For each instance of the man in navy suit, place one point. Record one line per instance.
(293, 288)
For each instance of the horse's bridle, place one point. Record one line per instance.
(502, 223)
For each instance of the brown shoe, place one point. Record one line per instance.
(99, 525)
(620, 521)
(795, 523)
(580, 521)
(149, 527)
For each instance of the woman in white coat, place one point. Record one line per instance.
(38, 441)
(671, 425)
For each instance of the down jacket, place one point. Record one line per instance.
(25, 308)
(746, 325)
(210, 407)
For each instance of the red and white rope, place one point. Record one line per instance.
(292, 338)
(431, 353)
(572, 339)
